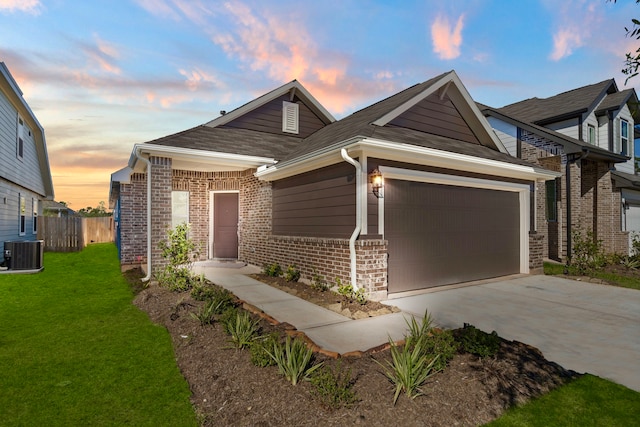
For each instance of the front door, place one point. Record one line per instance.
(225, 225)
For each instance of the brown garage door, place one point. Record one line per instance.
(442, 234)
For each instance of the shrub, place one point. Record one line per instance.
(480, 343)
(409, 368)
(292, 274)
(443, 344)
(347, 291)
(318, 283)
(272, 270)
(588, 253)
(206, 313)
(294, 360)
(260, 350)
(334, 387)
(178, 250)
(241, 327)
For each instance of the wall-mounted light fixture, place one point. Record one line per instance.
(377, 183)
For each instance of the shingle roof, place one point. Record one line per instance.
(539, 110)
(232, 141)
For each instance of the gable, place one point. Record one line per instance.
(436, 115)
(269, 118)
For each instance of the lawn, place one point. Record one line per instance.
(614, 278)
(74, 350)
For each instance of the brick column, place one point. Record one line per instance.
(160, 206)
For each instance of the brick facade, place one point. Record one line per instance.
(595, 202)
(133, 221)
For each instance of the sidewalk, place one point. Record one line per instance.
(329, 330)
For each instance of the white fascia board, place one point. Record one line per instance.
(268, 97)
(123, 176)
(197, 156)
(449, 160)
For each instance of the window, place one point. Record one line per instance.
(20, 140)
(35, 216)
(552, 200)
(591, 134)
(624, 137)
(290, 117)
(179, 208)
(23, 215)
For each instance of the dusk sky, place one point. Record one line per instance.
(102, 75)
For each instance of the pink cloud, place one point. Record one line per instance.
(447, 40)
(564, 42)
(29, 6)
(576, 21)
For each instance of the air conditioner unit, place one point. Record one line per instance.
(24, 255)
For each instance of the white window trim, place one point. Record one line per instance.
(591, 131)
(462, 181)
(622, 121)
(22, 215)
(20, 138)
(175, 220)
(34, 216)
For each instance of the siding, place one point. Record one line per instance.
(9, 212)
(507, 134)
(268, 118)
(625, 114)
(438, 117)
(565, 127)
(316, 204)
(26, 171)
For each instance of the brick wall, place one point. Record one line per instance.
(160, 207)
(133, 221)
(536, 253)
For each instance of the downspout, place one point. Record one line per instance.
(148, 163)
(356, 231)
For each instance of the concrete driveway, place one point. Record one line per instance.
(582, 326)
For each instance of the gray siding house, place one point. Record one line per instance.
(586, 134)
(25, 177)
(412, 192)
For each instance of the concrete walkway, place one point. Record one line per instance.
(329, 330)
(582, 326)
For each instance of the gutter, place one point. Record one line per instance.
(148, 163)
(356, 231)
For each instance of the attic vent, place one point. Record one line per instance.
(289, 117)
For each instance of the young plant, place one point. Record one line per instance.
(419, 332)
(292, 274)
(272, 270)
(294, 360)
(345, 290)
(334, 386)
(179, 251)
(206, 313)
(318, 283)
(588, 252)
(260, 350)
(409, 368)
(242, 329)
(474, 341)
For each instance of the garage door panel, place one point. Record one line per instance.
(440, 234)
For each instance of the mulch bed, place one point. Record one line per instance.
(227, 389)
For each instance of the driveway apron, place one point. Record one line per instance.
(582, 326)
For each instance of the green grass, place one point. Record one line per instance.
(615, 279)
(587, 401)
(74, 350)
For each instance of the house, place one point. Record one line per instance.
(586, 134)
(56, 209)
(412, 192)
(25, 176)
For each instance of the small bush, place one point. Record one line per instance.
(176, 279)
(334, 386)
(588, 253)
(179, 250)
(272, 270)
(292, 274)
(206, 313)
(260, 350)
(318, 283)
(348, 292)
(409, 368)
(294, 360)
(443, 344)
(474, 341)
(241, 328)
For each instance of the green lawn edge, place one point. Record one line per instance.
(74, 350)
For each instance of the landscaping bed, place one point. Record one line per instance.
(228, 389)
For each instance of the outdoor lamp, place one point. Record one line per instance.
(377, 183)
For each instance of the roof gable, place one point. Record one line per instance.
(265, 112)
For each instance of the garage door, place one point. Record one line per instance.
(443, 234)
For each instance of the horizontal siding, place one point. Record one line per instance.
(10, 215)
(566, 127)
(507, 133)
(438, 117)
(317, 204)
(268, 118)
(26, 171)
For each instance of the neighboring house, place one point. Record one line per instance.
(280, 180)
(591, 129)
(25, 177)
(52, 208)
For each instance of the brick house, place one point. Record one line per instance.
(586, 134)
(412, 192)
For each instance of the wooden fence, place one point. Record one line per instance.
(70, 234)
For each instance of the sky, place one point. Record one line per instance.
(103, 75)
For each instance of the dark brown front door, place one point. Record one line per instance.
(225, 225)
(442, 234)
